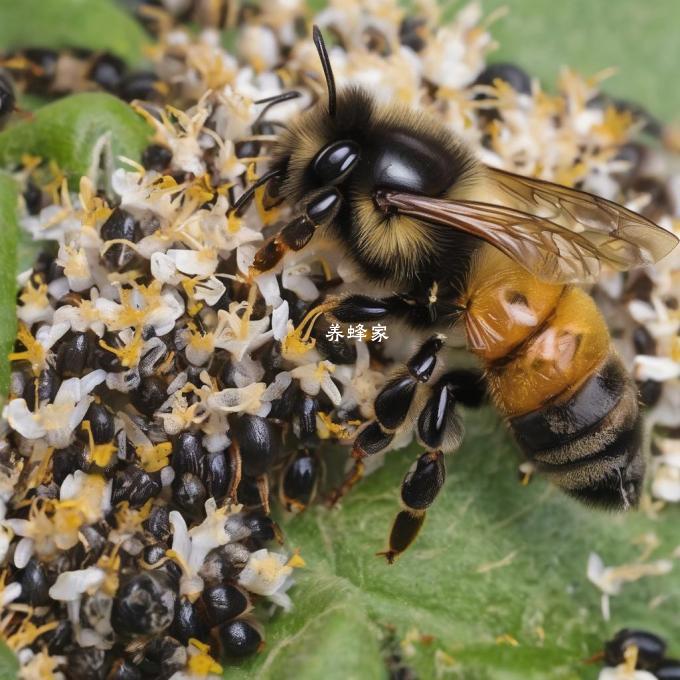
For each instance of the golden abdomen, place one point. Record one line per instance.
(538, 341)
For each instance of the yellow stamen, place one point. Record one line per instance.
(154, 458)
(296, 561)
(34, 353)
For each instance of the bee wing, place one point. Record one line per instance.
(559, 234)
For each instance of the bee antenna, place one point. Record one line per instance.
(247, 196)
(327, 70)
(273, 101)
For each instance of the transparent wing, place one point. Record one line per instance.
(561, 235)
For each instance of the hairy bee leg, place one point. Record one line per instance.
(391, 408)
(318, 210)
(394, 400)
(438, 424)
(419, 489)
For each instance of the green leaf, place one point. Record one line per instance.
(9, 664)
(8, 258)
(71, 132)
(494, 559)
(100, 25)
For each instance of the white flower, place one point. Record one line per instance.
(56, 421)
(610, 580)
(316, 377)
(238, 399)
(666, 484)
(655, 368)
(194, 262)
(70, 585)
(624, 673)
(238, 334)
(35, 304)
(74, 260)
(270, 574)
(190, 547)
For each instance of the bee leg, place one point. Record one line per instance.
(370, 440)
(440, 430)
(360, 308)
(318, 210)
(419, 489)
(394, 400)
(391, 409)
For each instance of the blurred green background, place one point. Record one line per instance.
(639, 37)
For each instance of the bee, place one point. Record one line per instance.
(463, 246)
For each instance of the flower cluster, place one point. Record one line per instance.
(161, 394)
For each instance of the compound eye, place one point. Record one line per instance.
(334, 162)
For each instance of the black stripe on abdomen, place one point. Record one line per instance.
(555, 425)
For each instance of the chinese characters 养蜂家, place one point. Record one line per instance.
(358, 332)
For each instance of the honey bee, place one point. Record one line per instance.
(463, 245)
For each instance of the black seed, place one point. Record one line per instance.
(189, 492)
(261, 527)
(188, 454)
(101, 422)
(300, 479)
(282, 408)
(224, 602)
(650, 647)
(87, 663)
(224, 563)
(513, 75)
(68, 460)
(34, 586)
(150, 395)
(411, 32)
(153, 553)
(650, 392)
(140, 85)
(144, 604)
(156, 157)
(46, 62)
(158, 522)
(259, 441)
(188, 622)
(307, 408)
(217, 475)
(239, 638)
(73, 355)
(122, 669)
(135, 486)
(32, 197)
(120, 225)
(7, 98)
(58, 639)
(643, 341)
(163, 657)
(107, 71)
